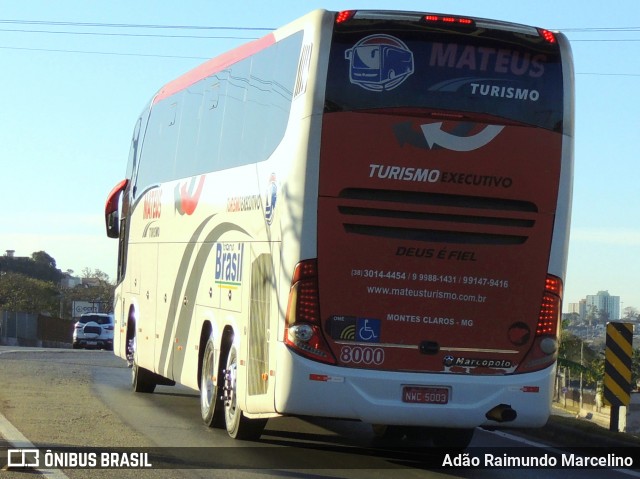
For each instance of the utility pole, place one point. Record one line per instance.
(581, 370)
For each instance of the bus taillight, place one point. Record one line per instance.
(448, 20)
(345, 15)
(303, 332)
(549, 317)
(544, 351)
(548, 36)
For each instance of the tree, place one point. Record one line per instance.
(22, 293)
(96, 287)
(635, 368)
(570, 319)
(40, 266)
(592, 314)
(578, 356)
(603, 317)
(40, 257)
(630, 313)
(32, 285)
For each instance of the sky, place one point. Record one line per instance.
(73, 81)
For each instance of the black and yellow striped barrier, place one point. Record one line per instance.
(617, 368)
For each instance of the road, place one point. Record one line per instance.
(82, 399)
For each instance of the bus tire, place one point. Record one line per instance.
(142, 380)
(238, 425)
(210, 407)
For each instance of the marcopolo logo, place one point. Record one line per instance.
(379, 63)
(476, 363)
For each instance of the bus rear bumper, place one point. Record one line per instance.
(305, 387)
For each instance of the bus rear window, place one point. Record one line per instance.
(506, 75)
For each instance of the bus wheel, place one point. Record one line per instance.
(238, 425)
(142, 380)
(209, 405)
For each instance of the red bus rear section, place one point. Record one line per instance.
(443, 203)
(429, 259)
(440, 163)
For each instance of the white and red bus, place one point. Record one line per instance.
(362, 215)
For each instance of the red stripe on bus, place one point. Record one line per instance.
(213, 66)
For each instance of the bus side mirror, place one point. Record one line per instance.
(112, 211)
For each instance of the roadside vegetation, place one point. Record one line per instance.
(35, 285)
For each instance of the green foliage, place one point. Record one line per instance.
(96, 287)
(39, 266)
(579, 357)
(635, 367)
(592, 364)
(32, 285)
(19, 292)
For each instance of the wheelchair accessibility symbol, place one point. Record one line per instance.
(368, 330)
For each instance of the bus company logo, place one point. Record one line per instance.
(229, 259)
(440, 135)
(449, 361)
(485, 59)
(271, 199)
(508, 92)
(152, 204)
(187, 195)
(379, 63)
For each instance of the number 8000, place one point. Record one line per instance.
(362, 355)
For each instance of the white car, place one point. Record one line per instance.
(94, 330)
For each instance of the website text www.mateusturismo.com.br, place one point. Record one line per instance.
(424, 293)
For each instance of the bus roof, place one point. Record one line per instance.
(213, 66)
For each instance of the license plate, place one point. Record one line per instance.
(425, 395)
(92, 343)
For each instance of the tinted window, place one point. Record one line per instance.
(512, 76)
(232, 118)
(96, 319)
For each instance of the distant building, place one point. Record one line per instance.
(69, 281)
(579, 308)
(604, 302)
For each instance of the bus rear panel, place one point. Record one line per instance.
(444, 142)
